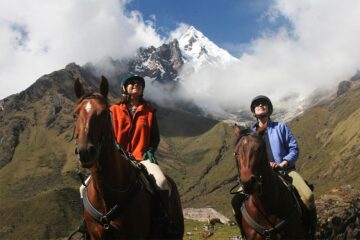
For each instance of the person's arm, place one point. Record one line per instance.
(292, 147)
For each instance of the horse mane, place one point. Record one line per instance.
(261, 130)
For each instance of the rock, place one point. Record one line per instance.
(204, 214)
(344, 86)
(339, 214)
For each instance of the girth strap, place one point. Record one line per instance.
(266, 232)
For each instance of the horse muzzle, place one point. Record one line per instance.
(87, 155)
(253, 185)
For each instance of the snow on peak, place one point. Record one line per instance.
(198, 50)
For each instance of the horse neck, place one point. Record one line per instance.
(114, 173)
(271, 194)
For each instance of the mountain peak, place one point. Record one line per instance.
(198, 50)
(192, 32)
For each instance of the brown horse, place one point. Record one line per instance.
(117, 205)
(270, 210)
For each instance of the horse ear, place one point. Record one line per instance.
(79, 90)
(104, 86)
(237, 129)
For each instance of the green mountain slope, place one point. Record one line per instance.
(38, 174)
(329, 137)
(38, 169)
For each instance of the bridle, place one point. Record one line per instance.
(265, 232)
(98, 145)
(256, 180)
(128, 193)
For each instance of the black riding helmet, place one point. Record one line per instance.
(261, 99)
(130, 78)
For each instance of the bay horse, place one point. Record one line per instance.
(116, 203)
(270, 210)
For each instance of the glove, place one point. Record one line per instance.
(149, 155)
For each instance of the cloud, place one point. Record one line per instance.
(316, 48)
(41, 36)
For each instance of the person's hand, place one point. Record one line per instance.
(273, 165)
(149, 155)
(283, 164)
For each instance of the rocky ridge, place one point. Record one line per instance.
(339, 214)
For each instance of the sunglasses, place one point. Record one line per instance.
(133, 82)
(257, 103)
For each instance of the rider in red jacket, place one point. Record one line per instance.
(136, 132)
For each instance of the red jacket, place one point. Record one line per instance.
(133, 132)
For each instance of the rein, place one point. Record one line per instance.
(131, 190)
(104, 219)
(266, 232)
(259, 178)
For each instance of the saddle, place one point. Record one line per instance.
(285, 178)
(149, 184)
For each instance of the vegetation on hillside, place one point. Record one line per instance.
(38, 170)
(329, 138)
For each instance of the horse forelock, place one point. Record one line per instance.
(93, 95)
(244, 132)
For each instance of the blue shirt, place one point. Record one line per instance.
(282, 142)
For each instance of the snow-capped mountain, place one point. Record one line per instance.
(199, 51)
(167, 67)
(190, 48)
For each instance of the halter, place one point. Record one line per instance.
(100, 143)
(265, 232)
(258, 178)
(129, 192)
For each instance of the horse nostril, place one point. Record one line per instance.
(92, 150)
(76, 151)
(253, 180)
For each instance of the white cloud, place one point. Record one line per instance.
(41, 36)
(319, 48)
(179, 31)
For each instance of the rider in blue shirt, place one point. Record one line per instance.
(282, 142)
(282, 151)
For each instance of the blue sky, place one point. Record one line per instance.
(228, 23)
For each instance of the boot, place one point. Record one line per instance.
(236, 203)
(164, 214)
(312, 218)
(164, 204)
(82, 228)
